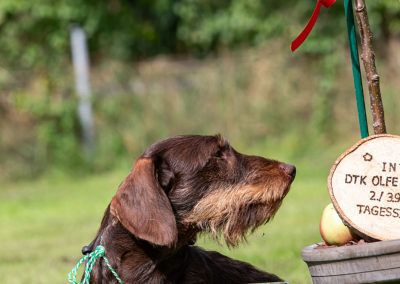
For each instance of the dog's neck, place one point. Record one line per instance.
(125, 250)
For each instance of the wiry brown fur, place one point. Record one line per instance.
(234, 211)
(178, 188)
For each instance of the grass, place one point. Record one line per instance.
(44, 224)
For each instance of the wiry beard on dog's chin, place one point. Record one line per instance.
(233, 215)
(235, 228)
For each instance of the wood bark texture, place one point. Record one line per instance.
(368, 58)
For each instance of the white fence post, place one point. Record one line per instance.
(80, 62)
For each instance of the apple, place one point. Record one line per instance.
(332, 229)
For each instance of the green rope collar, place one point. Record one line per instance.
(99, 252)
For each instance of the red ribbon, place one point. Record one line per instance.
(303, 35)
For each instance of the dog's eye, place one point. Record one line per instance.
(218, 154)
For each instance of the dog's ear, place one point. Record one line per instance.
(143, 208)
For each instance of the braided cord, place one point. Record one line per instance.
(72, 274)
(112, 270)
(99, 252)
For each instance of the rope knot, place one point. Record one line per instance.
(100, 251)
(91, 258)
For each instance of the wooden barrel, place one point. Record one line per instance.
(377, 262)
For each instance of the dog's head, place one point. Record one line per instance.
(198, 183)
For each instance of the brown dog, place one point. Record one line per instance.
(177, 188)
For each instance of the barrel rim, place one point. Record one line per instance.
(311, 254)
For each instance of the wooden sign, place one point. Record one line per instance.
(364, 185)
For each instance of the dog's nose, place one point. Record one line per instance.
(289, 169)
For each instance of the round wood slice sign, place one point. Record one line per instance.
(364, 185)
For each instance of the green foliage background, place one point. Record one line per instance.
(36, 34)
(40, 128)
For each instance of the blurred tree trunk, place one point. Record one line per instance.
(384, 25)
(384, 30)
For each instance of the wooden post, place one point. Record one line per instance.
(368, 58)
(81, 66)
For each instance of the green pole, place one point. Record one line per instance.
(355, 63)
